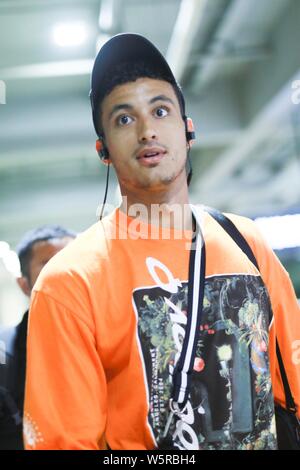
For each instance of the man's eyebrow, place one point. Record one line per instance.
(161, 98)
(118, 107)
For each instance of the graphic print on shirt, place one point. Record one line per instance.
(231, 403)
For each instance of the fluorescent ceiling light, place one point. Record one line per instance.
(106, 16)
(280, 231)
(69, 34)
(49, 69)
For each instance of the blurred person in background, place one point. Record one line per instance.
(110, 315)
(35, 249)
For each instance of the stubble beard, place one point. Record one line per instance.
(162, 180)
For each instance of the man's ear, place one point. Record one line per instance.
(190, 132)
(24, 285)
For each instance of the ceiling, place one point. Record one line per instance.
(236, 61)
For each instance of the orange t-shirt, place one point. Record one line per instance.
(107, 321)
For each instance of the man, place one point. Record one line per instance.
(109, 315)
(34, 251)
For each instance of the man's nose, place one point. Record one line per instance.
(147, 131)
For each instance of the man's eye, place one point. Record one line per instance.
(123, 120)
(161, 112)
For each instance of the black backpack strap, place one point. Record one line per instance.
(234, 233)
(290, 404)
(231, 229)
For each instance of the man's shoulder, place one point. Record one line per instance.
(248, 229)
(244, 224)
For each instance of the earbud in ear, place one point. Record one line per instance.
(190, 131)
(102, 151)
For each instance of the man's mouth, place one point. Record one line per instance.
(149, 157)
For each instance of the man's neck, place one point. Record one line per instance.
(164, 209)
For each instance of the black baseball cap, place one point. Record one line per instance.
(126, 47)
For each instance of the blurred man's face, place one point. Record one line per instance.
(41, 253)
